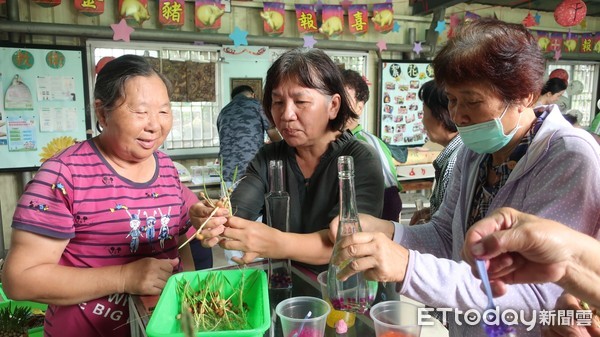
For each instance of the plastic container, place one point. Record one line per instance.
(3, 297)
(164, 322)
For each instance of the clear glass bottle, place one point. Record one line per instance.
(356, 294)
(277, 203)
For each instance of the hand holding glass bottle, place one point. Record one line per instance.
(354, 293)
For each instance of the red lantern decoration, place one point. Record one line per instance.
(570, 12)
(103, 61)
(90, 7)
(560, 73)
(47, 3)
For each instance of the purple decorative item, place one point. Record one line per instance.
(492, 330)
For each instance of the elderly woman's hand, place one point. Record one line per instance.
(147, 276)
(200, 214)
(380, 258)
(254, 238)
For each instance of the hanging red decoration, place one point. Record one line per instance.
(89, 7)
(529, 20)
(135, 12)
(102, 62)
(47, 3)
(560, 73)
(171, 13)
(570, 12)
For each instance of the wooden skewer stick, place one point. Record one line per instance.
(199, 228)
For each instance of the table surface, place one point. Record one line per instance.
(304, 284)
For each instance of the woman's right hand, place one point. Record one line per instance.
(146, 276)
(215, 224)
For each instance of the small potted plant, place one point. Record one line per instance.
(16, 320)
(13, 322)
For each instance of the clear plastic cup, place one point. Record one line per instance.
(335, 315)
(292, 314)
(395, 319)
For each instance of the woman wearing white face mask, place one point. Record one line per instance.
(515, 155)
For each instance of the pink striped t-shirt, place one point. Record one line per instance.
(108, 220)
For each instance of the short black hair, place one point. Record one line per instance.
(571, 118)
(554, 85)
(314, 69)
(240, 89)
(355, 81)
(436, 100)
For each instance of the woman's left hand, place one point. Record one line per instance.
(254, 238)
(373, 253)
(200, 213)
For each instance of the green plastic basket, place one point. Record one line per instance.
(164, 322)
(3, 297)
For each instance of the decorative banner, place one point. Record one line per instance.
(333, 20)
(22, 59)
(454, 22)
(560, 73)
(90, 7)
(383, 17)
(570, 12)
(273, 16)
(597, 43)
(570, 43)
(55, 59)
(556, 40)
(208, 14)
(543, 39)
(134, 11)
(47, 3)
(171, 13)
(103, 61)
(306, 18)
(470, 16)
(529, 21)
(358, 19)
(586, 45)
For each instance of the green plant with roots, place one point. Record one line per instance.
(206, 307)
(222, 202)
(15, 321)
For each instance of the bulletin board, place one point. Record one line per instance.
(400, 109)
(43, 102)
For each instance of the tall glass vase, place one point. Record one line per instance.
(277, 203)
(356, 294)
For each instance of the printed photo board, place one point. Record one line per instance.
(400, 109)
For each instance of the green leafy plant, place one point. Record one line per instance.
(14, 322)
(222, 202)
(207, 307)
